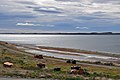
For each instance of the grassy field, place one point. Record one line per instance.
(25, 67)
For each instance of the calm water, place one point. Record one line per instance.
(105, 43)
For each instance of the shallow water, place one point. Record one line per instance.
(79, 56)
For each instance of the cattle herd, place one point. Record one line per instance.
(74, 69)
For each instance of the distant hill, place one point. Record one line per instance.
(92, 33)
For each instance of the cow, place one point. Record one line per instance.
(71, 61)
(74, 62)
(73, 71)
(68, 61)
(7, 64)
(75, 67)
(38, 56)
(81, 72)
(41, 65)
(57, 69)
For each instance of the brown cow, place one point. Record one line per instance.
(81, 72)
(41, 65)
(38, 56)
(78, 70)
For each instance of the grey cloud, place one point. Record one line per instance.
(69, 0)
(74, 9)
(107, 1)
(25, 2)
(92, 1)
(46, 9)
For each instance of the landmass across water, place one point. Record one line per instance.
(70, 33)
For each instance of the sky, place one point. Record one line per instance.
(59, 15)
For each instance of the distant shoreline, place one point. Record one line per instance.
(92, 33)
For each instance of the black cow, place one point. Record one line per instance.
(76, 67)
(68, 61)
(57, 69)
(74, 62)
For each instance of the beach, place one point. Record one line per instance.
(75, 54)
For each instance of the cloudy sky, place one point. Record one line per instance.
(59, 15)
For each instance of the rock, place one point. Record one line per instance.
(42, 76)
(97, 78)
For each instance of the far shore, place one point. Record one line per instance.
(70, 33)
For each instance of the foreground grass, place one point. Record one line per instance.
(25, 67)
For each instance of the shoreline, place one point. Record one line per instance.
(66, 53)
(80, 51)
(68, 50)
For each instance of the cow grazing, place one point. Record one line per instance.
(73, 71)
(78, 70)
(74, 62)
(7, 64)
(68, 61)
(38, 56)
(57, 69)
(71, 61)
(41, 65)
(75, 67)
(81, 72)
